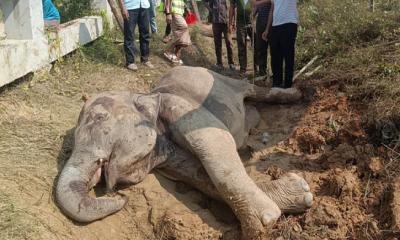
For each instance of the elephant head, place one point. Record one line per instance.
(114, 130)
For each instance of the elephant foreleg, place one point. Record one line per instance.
(291, 192)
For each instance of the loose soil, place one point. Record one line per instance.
(320, 138)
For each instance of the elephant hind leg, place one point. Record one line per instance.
(252, 118)
(291, 192)
(272, 95)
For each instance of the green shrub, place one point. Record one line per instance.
(72, 9)
(330, 27)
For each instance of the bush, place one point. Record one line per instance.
(330, 27)
(72, 9)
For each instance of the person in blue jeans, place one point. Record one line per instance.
(152, 16)
(136, 12)
(51, 15)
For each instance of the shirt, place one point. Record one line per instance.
(135, 4)
(178, 7)
(243, 11)
(285, 11)
(263, 13)
(219, 11)
(50, 11)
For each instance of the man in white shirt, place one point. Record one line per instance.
(136, 12)
(282, 41)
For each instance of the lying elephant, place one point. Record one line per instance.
(189, 128)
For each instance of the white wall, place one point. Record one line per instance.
(28, 47)
(2, 30)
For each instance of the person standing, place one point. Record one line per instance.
(239, 20)
(51, 15)
(282, 41)
(174, 10)
(219, 13)
(136, 12)
(152, 17)
(263, 10)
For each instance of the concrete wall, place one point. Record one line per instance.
(28, 47)
(2, 30)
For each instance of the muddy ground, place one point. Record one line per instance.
(320, 138)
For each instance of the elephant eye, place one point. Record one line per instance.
(100, 117)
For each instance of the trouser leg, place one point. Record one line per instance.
(276, 57)
(241, 35)
(261, 49)
(152, 16)
(129, 36)
(217, 32)
(228, 43)
(144, 36)
(288, 43)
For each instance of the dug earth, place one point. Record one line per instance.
(189, 128)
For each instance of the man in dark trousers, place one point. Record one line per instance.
(136, 12)
(282, 41)
(240, 20)
(219, 15)
(263, 10)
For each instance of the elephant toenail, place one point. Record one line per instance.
(305, 185)
(308, 199)
(266, 219)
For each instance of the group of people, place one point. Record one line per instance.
(275, 27)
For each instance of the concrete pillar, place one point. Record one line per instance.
(23, 19)
(102, 5)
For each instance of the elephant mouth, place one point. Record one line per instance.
(99, 175)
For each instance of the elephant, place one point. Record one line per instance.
(189, 128)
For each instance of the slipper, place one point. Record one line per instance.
(169, 56)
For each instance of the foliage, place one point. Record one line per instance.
(331, 27)
(358, 49)
(106, 49)
(72, 9)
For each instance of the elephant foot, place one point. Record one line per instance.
(291, 193)
(255, 212)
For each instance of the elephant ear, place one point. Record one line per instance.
(149, 106)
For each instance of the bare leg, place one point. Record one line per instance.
(291, 192)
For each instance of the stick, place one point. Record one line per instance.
(305, 67)
(117, 14)
(313, 71)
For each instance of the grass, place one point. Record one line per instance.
(15, 223)
(358, 50)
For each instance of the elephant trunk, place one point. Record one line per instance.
(72, 196)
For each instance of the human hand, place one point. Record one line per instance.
(232, 28)
(265, 35)
(168, 18)
(125, 14)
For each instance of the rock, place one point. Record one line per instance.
(375, 165)
(265, 138)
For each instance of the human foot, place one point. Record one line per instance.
(148, 64)
(132, 67)
(291, 193)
